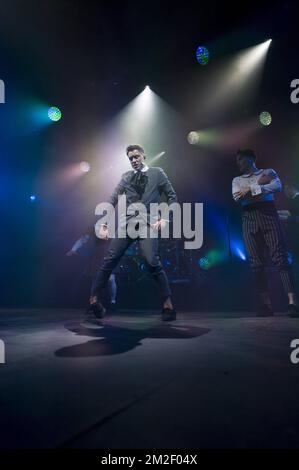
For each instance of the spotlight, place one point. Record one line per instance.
(240, 254)
(54, 113)
(147, 87)
(85, 167)
(265, 118)
(32, 197)
(202, 55)
(238, 250)
(166, 263)
(204, 263)
(212, 258)
(193, 138)
(290, 258)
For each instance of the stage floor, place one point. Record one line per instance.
(207, 380)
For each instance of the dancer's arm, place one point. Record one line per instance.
(268, 183)
(237, 191)
(78, 244)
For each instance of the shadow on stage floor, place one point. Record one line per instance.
(208, 380)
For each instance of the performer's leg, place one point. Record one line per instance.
(149, 249)
(275, 240)
(255, 246)
(116, 250)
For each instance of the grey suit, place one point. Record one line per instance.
(155, 183)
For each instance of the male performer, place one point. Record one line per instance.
(145, 185)
(98, 250)
(255, 189)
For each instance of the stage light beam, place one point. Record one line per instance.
(236, 82)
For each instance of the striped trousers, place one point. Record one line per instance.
(262, 230)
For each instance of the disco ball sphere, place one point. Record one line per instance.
(265, 118)
(54, 113)
(85, 167)
(193, 138)
(204, 263)
(202, 55)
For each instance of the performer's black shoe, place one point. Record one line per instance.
(168, 314)
(293, 311)
(98, 310)
(265, 311)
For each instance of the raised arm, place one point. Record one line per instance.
(269, 182)
(78, 244)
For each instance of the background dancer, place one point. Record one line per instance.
(255, 189)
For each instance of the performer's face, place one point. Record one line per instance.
(244, 163)
(137, 159)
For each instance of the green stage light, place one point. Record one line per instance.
(54, 113)
(265, 118)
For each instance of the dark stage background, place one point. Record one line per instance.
(92, 59)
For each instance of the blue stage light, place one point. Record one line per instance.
(202, 55)
(240, 254)
(238, 250)
(290, 258)
(166, 263)
(54, 113)
(32, 198)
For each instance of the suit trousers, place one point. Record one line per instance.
(262, 229)
(149, 248)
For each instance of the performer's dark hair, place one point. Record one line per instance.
(247, 153)
(131, 148)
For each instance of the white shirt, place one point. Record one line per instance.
(143, 169)
(258, 192)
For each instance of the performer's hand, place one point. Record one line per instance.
(103, 233)
(160, 224)
(71, 253)
(264, 179)
(240, 194)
